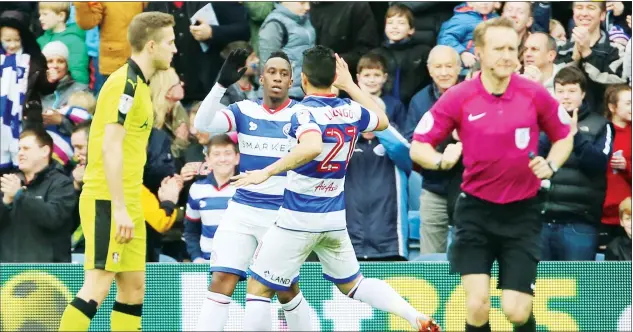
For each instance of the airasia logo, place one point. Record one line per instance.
(326, 188)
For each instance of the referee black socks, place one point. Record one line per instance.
(483, 328)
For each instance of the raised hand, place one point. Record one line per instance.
(233, 68)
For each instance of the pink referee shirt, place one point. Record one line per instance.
(497, 134)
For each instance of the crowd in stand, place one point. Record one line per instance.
(55, 56)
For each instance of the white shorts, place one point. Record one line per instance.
(237, 237)
(282, 252)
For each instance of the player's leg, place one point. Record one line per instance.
(472, 254)
(96, 225)
(128, 306)
(341, 267)
(518, 261)
(233, 246)
(296, 309)
(275, 268)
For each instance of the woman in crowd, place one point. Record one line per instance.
(169, 114)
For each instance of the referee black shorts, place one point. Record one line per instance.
(509, 233)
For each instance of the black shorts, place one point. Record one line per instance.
(509, 233)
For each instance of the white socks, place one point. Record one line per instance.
(380, 295)
(214, 312)
(257, 315)
(297, 313)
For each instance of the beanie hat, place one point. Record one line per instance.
(55, 48)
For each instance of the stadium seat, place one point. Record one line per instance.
(166, 259)
(414, 225)
(415, 188)
(599, 257)
(432, 258)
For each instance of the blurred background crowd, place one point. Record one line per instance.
(55, 56)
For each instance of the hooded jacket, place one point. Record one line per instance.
(74, 38)
(457, 32)
(37, 84)
(36, 227)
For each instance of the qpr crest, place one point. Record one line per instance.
(286, 130)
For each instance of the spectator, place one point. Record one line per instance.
(619, 20)
(160, 162)
(23, 83)
(37, 202)
(457, 32)
(376, 196)
(620, 248)
(200, 43)
(288, 29)
(626, 70)
(372, 76)
(169, 114)
(199, 140)
(557, 31)
(618, 110)
(444, 66)
(160, 213)
(113, 19)
(590, 48)
(79, 142)
(57, 60)
(521, 14)
(428, 18)
(538, 59)
(405, 57)
(83, 100)
(347, 27)
(244, 88)
(209, 198)
(53, 17)
(257, 13)
(577, 190)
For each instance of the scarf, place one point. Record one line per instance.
(14, 69)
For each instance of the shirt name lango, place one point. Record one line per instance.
(338, 112)
(325, 188)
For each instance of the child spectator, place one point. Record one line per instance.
(405, 57)
(620, 248)
(84, 100)
(371, 76)
(209, 198)
(23, 82)
(288, 28)
(618, 110)
(169, 114)
(457, 32)
(244, 88)
(557, 31)
(53, 17)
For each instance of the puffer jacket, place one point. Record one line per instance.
(75, 40)
(300, 37)
(113, 19)
(457, 32)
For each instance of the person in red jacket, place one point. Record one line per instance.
(618, 109)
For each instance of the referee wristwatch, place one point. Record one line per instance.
(552, 166)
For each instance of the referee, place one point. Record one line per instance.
(498, 117)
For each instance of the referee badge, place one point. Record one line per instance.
(522, 137)
(426, 123)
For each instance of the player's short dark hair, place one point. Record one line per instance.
(319, 66)
(85, 126)
(41, 137)
(372, 60)
(571, 75)
(282, 55)
(222, 140)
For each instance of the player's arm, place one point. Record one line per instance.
(434, 127)
(309, 147)
(212, 116)
(345, 82)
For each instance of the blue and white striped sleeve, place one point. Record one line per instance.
(302, 122)
(368, 120)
